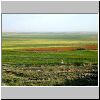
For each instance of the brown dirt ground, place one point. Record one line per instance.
(56, 49)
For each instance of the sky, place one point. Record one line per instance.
(49, 22)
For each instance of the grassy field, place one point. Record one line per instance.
(49, 59)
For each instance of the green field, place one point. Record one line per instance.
(50, 59)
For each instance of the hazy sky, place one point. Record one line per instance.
(49, 22)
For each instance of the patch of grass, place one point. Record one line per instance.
(77, 67)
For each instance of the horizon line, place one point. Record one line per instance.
(50, 32)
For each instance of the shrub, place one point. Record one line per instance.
(80, 49)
